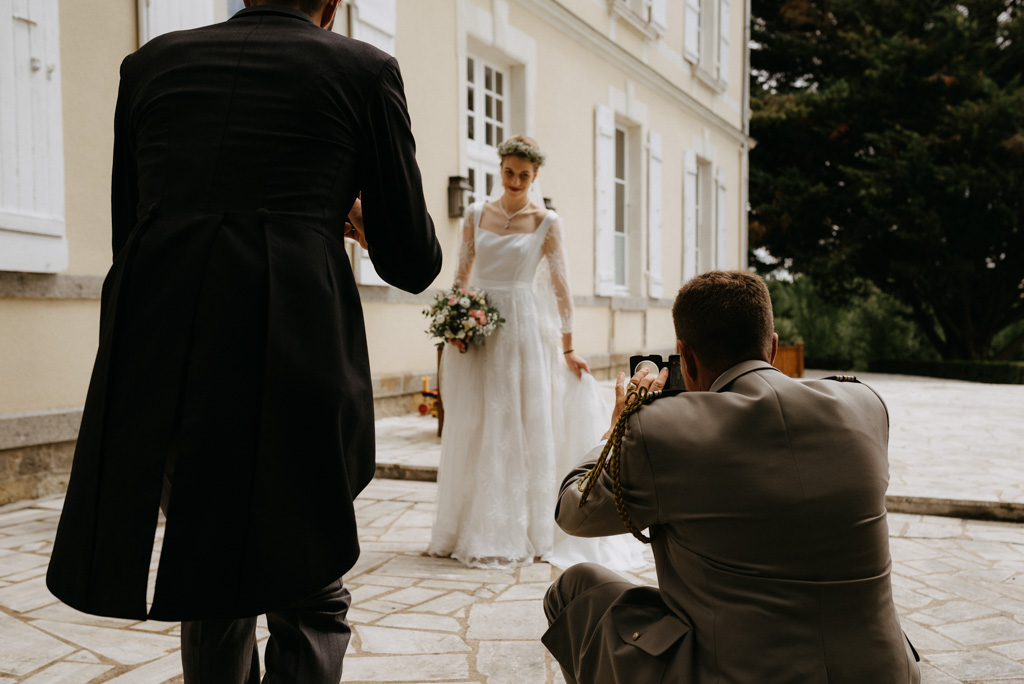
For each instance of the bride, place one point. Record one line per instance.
(520, 411)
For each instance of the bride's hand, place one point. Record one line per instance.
(576, 364)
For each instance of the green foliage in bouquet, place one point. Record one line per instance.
(462, 316)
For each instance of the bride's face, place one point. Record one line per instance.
(517, 174)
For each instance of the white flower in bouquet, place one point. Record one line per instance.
(462, 316)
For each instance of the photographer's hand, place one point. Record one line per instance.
(354, 226)
(641, 379)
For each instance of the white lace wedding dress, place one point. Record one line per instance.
(516, 417)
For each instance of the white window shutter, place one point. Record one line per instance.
(604, 208)
(31, 138)
(374, 22)
(689, 214)
(723, 41)
(721, 222)
(658, 15)
(654, 205)
(692, 36)
(157, 17)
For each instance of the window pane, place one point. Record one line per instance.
(501, 133)
(500, 116)
(498, 88)
(620, 154)
(470, 70)
(489, 105)
(620, 208)
(620, 259)
(490, 182)
(488, 78)
(489, 136)
(472, 101)
(471, 127)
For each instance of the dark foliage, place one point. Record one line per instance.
(891, 151)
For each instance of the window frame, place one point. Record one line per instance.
(482, 158)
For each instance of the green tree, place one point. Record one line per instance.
(891, 151)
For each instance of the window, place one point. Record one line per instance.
(646, 15)
(707, 38)
(706, 242)
(704, 217)
(621, 205)
(487, 109)
(31, 139)
(618, 211)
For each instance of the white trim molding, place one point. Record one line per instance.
(575, 28)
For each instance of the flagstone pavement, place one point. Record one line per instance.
(958, 584)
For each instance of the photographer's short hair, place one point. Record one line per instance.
(309, 7)
(726, 317)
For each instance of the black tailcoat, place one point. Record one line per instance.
(232, 342)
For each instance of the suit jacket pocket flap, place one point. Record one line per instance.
(649, 629)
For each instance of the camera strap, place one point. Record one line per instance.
(611, 455)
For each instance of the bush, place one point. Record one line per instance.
(996, 372)
(852, 335)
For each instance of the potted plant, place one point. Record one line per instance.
(790, 357)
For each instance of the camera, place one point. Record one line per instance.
(654, 363)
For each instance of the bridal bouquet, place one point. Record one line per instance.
(462, 316)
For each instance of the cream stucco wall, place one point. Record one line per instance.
(47, 345)
(46, 352)
(95, 37)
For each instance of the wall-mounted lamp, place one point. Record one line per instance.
(457, 189)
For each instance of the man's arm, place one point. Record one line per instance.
(398, 230)
(598, 517)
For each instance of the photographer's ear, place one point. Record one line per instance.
(689, 363)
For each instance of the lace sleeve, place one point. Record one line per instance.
(555, 253)
(467, 250)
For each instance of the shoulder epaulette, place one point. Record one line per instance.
(842, 378)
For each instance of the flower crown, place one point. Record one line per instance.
(520, 149)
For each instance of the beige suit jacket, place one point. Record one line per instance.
(766, 501)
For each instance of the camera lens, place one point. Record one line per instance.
(652, 368)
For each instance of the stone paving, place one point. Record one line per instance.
(958, 585)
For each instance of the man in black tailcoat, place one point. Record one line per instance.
(232, 379)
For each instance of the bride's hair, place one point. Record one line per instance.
(523, 147)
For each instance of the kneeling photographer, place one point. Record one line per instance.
(764, 499)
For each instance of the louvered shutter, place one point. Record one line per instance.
(721, 220)
(689, 214)
(31, 139)
(157, 17)
(374, 22)
(654, 205)
(723, 41)
(692, 36)
(604, 194)
(658, 16)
